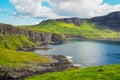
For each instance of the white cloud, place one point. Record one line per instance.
(82, 8)
(28, 8)
(60, 8)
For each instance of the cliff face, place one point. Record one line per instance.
(75, 21)
(33, 36)
(111, 21)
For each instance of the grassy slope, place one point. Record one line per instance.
(14, 42)
(86, 30)
(11, 58)
(110, 72)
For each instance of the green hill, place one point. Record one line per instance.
(85, 30)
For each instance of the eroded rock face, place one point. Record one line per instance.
(60, 63)
(75, 21)
(33, 36)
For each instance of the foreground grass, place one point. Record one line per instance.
(11, 58)
(110, 72)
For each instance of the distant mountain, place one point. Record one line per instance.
(111, 21)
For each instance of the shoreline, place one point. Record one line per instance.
(59, 63)
(90, 39)
(43, 47)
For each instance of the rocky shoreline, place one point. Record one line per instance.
(59, 63)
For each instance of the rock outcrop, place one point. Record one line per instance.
(60, 63)
(75, 21)
(36, 37)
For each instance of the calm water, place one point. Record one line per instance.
(87, 53)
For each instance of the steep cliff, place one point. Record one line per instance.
(75, 21)
(36, 37)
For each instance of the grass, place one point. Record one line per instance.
(87, 30)
(110, 72)
(11, 58)
(14, 42)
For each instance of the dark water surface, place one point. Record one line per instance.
(87, 53)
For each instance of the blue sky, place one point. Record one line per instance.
(112, 2)
(8, 9)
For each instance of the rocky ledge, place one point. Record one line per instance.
(59, 63)
(36, 37)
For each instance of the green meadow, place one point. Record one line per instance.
(10, 57)
(18, 59)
